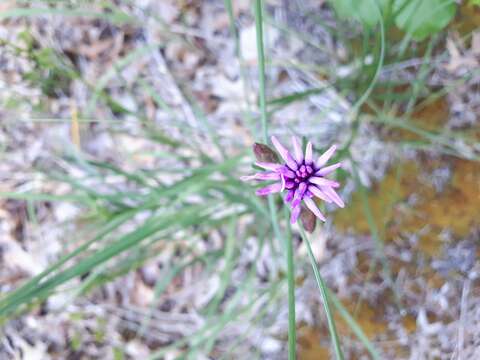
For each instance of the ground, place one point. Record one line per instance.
(135, 120)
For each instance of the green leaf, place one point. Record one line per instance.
(367, 12)
(422, 18)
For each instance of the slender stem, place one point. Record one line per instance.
(324, 293)
(292, 331)
(292, 337)
(261, 67)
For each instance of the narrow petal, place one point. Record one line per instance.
(319, 193)
(289, 196)
(327, 170)
(322, 160)
(270, 189)
(323, 182)
(289, 184)
(285, 154)
(262, 176)
(297, 199)
(286, 172)
(297, 150)
(334, 196)
(313, 207)
(269, 166)
(295, 214)
(282, 150)
(309, 153)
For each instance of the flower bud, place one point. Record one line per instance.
(309, 220)
(264, 153)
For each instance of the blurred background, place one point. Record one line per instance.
(125, 232)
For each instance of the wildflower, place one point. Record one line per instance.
(299, 176)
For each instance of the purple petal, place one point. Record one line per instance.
(289, 184)
(322, 160)
(270, 189)
(313, 207)
(297, 150)
(285, 171)
(302, 188)
(262, 176)
(327, 170)
(289, 196)
(269, 166)
(309, 153)
(323, 182)
(295, 214)
(334, 196)
(319, 193)
(285, 154)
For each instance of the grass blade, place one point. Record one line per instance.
(324, 293)
(357, 330)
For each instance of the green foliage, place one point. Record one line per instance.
(418, 18)
(367, 12)
(422, 18)
(50, 72)
(113, 251)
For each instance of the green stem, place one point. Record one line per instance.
(292, 331)
(324, 293)
(261, 67)
(263, 109)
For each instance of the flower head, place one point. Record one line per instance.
(302, 178)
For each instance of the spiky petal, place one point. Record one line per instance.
(285, 154)
(309, 153)
(270, 189)
(328, 169)
(297, 150)
(323, 159)
(313, 207)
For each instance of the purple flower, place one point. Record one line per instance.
(300, 177)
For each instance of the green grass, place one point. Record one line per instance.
(325, 299)
(130, 225)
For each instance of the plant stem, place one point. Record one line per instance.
(324, 293)
(292, 334)
(261, 67)
(292, 337)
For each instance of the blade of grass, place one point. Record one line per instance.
(292, 333)
(218, 323)
(116, 17)
(243, 73)
(117, 66)
(261, 68)
(378, 240)
(325, 298)
(225, 276)
(357, 330)
(190, 215)
(364, 97)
